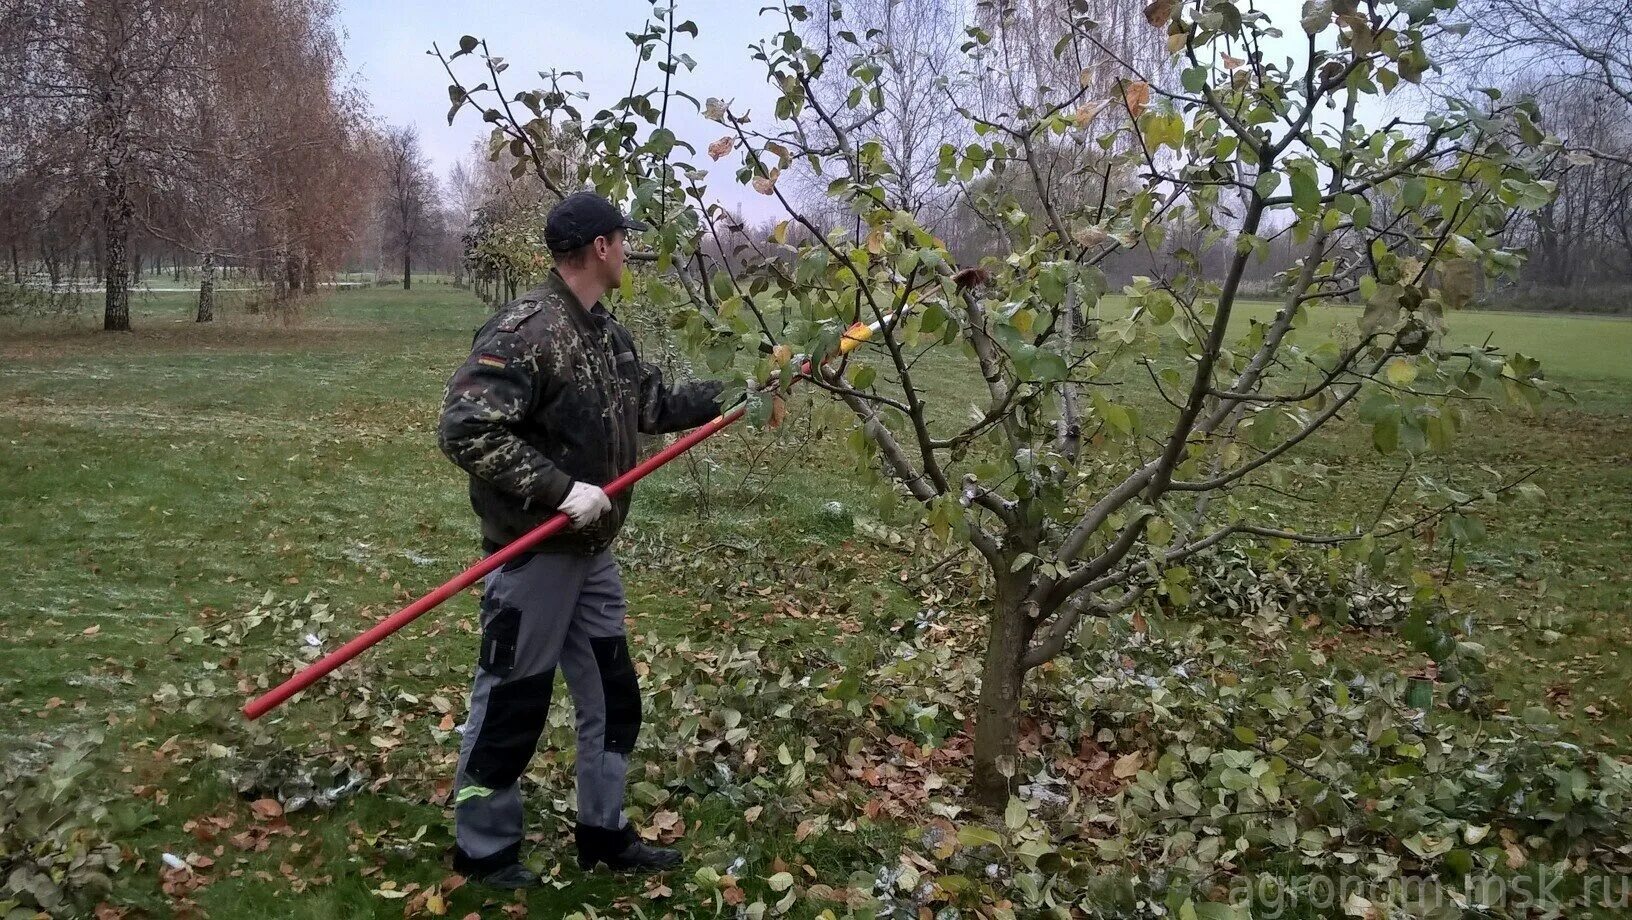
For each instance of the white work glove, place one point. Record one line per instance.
(584, 503)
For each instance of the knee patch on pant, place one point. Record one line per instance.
(509, 730)
(621, 689)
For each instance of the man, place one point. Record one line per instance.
(543, 413)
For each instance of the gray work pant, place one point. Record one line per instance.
(539, 612)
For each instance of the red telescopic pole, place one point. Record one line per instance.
(315, 671)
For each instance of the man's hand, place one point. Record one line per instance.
(585, 503)
(773, 386)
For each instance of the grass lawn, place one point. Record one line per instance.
(161, 491)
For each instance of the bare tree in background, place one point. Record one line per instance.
(1036, 56)
(467, 191)
(1575, 58)
(106, 68)
(219, 131)
(930, 89)
(916, 46)
(408, 197)
(1583, 44)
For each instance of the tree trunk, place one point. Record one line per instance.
(997, 713)
(175, 264)
(206, 288)
(308, 275)
(16, 265)
(116, 211)
(291, 272)
(407, 269)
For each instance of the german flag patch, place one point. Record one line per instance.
(493, 361)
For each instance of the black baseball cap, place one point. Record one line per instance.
(580, 218)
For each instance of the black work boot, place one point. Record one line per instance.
(510, 878)
(621, 851)
(500, 870)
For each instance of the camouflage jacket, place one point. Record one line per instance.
(553, 393)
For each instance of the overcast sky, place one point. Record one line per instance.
(386, 45)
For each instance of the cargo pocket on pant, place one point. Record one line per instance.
(499, 641)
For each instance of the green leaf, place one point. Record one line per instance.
(1267, 183)
(661, 142)
(1305, 190)
(1014, 816)
(1416, 190)
(862, 377)
(720, 282)
(1362, 214)
(1380, 314)
(1116, 417)
(973, 835)
(1385, 434)
(1049, 367)
(1051, 288)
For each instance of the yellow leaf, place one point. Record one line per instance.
(1127, 765)
(1137, 96)
(1089, 236)
(721, 147)
(766, 185)
(1401, 371)
(1158, 12)
(1086, 113)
